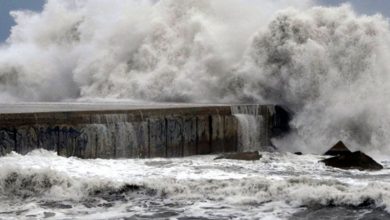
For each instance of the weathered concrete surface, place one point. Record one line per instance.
(134, 133)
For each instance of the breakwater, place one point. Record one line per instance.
(138, 132)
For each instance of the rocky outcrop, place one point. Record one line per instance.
(240, 156)
(356, 160)
(338, 149)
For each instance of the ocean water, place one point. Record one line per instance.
(326, 64)
(278, 186)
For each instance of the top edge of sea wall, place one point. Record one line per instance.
(107, 115)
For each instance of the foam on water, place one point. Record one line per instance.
(328, 65)
(276, 186)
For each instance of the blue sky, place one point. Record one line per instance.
(6, 6)
(361, 6)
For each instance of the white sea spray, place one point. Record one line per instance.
(328, 65)
(282, 182)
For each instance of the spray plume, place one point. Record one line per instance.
(328, 65)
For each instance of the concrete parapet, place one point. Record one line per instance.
(133, 133)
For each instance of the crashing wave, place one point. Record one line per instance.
(329, 65)
(297, 192)
(40, 178)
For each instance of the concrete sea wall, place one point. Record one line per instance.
(134, 133)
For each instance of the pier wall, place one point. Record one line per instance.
(135, 133)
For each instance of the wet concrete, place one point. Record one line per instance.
(129, 133)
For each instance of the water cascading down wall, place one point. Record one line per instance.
(143, 133)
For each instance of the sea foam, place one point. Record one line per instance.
(328, 65)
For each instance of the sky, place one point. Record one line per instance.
(368, 7)
(6, 21)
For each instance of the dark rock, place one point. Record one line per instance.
(241, 156)
(281, 121)
(338, 149)
(298, 153)
(356, 160)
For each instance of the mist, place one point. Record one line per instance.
(327, 65)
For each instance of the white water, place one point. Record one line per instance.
(141, 50)
(328, 65)
(275, 187)
(250, 124)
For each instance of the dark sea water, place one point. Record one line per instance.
(42, 185)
